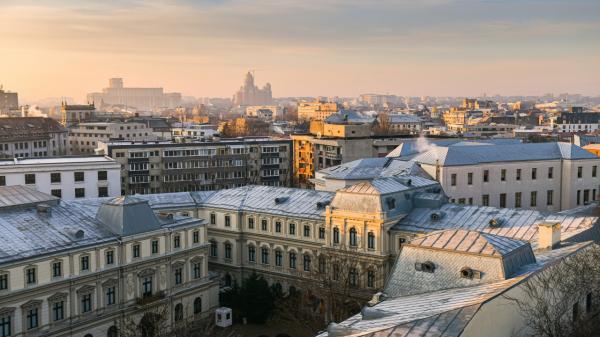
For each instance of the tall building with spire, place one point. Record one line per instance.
(250, 94)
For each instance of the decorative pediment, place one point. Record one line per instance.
(7, 311)
(57, 297)
(31, 304)
(146, 272)
(86, 289)
(197, 259)
(110, 282)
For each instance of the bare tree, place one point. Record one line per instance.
(561, 300)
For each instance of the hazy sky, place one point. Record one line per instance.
(303, 47)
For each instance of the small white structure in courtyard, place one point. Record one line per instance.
(223, 317)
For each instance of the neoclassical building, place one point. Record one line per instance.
(89, 267)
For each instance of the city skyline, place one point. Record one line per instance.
(203, 49)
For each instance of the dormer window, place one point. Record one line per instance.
(391, 203)
(30, 276)
(426, 267)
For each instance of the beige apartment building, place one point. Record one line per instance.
(84, 137)
(317, 111)
(541, 176)
(91, 267)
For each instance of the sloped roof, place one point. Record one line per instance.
(476, 154)
(404, 118)
(419, 145)
(127, 216)
(389, 185)
(519, 224)
(22, 196)
(370, 168)
(349, 117)
(467, 241)
(16, 128)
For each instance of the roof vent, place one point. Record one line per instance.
(280, 200)
(79, 234)
(495, 222)
(469, 273)
(43, 208)
(405, 181)
(436, 215)
(322, 204)
(368, 313)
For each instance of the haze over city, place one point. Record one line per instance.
(304, 48)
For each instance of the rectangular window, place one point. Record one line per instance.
(251, 223)
(251, 254)
(453, 179)
(136, 251)
(461, 201)
(264, 256)
(227, 221)
(486, 176)
(80, 193)
(578, 197)
(178, 276)
(102, 192)
(32, 318)
(533, 173)
(102, 175)
(86, 303)
(56, 193)
(502, 200)
(2, 183)
(518, 174)
(550, 172)
(197, 270)
(3, 282)
(5, 326)
(57, 269)
(110, 295)
(85, 263)
(147, 286)
(549, 197)
(533, 198)
(263, 224)
(292, 229)
(176, 241)
(485, 200)
(371, 279)
(213, 249)
(292, 260)
(154, 245)
(228, 251)
(278, 258)
(55, 178)
(58, 311)
(517, 199)
(470, 178)
(278, 226)
(579, 171)
(594, 171)
(213, 218)
(588, 303)
(306, 231)
(31, 276)
(196, 236)
(30, 179)
(321, 233)
(79, 176)
(503, 175)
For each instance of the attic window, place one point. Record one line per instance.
(426, 267)
(280, 200)
(435, 216)
(469, 273)
(495, 222)
(391, 203)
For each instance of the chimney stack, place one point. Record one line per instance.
(548, 235)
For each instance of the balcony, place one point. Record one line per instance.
(149, 299)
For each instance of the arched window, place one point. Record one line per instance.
(251, 254)
(197, 305)
(292, 260)
(112, 332)
(179, 312)
(371, 240)
(352, 237)
(336, 235)
(228, 250)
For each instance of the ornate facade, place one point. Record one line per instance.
(250, 94)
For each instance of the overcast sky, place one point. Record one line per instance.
(303, 47)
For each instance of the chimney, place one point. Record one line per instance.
(548, 235)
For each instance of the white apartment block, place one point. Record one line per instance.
(65, 177)
(84, 137)
(541, 176)
(81, 268)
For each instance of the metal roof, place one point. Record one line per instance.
(370, 168)
(519, 224)
(127, 216)
(390, 185)
(20, 196)
(467, 241)
(477, 154)
(350, 116)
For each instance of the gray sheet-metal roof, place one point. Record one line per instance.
(418, 145)
(255, 198)
(477, 154)
(390, 185)
(128, 215)
(25, 232)
(520, 224)
(19, 196)
(404, 118)
(466, 241)
(350, 116)
(445, 312)
(370, 168)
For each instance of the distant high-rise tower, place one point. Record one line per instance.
(250, 94)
